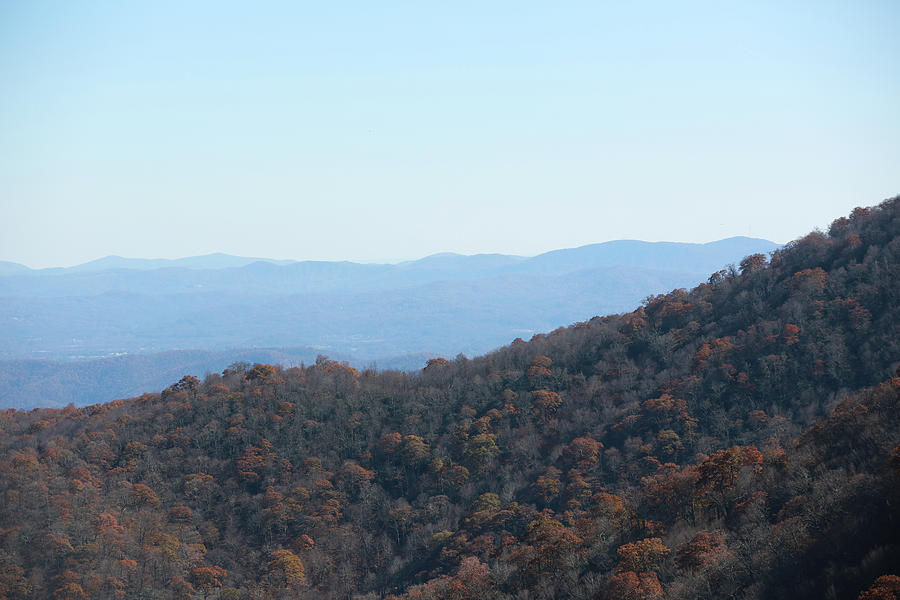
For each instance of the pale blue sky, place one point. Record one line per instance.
(389, 130)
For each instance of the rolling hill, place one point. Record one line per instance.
(740, 439)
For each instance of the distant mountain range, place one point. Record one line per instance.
(444, 304)
(216, 260)
(252, 276)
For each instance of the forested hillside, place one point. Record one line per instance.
(738, 440)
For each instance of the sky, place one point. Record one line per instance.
(392, 130)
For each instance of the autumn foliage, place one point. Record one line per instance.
(737, 440)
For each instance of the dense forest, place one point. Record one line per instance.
(737, 440)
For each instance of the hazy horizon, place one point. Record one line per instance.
(393, 131)
(374, 261)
